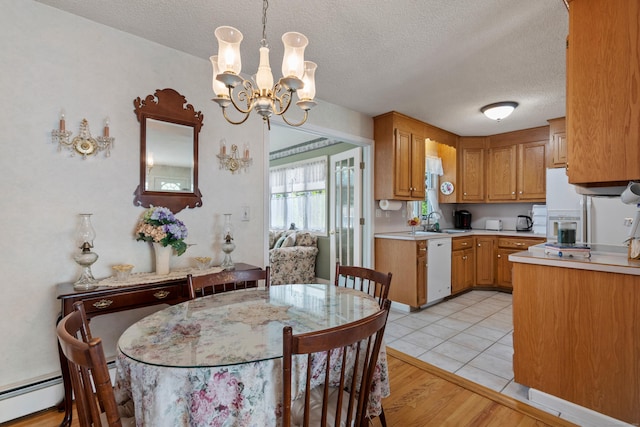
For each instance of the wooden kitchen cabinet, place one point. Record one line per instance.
(516, 166)
(575, 336)
(399, 157)
(407, 262)
(502, 173)
(506, 247)
(471, 167)
(557, 153)
(463, 264)
(485, 266)
(603, 106)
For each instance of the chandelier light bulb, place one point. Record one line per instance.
(293, 60)
(218, 87)
(229, 40)
(308, 91)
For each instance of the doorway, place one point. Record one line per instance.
(353, 241)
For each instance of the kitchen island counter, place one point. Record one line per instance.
(610, 260)
(576, 329)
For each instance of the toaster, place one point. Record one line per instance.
(493, 224)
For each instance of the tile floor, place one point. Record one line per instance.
(470, 335)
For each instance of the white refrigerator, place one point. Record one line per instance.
(600, 220)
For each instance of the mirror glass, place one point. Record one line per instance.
(169, 129)
(169, 156)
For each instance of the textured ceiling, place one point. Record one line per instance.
(436, 60)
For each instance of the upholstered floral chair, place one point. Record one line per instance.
(292, 256)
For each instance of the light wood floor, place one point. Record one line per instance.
(421, 395)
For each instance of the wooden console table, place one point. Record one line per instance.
(110, 299)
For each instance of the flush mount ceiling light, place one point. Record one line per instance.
(499, 110)
(261, 94)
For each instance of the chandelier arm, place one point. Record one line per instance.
(304, 119)
(284, 99)
(246, 94)
(224, 113)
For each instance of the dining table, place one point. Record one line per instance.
(217, 360)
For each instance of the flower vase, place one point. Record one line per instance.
(413, 229)
(163, 258)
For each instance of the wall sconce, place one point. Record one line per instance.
(234, 162)
(84, 143)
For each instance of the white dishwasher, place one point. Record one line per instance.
(438, 269)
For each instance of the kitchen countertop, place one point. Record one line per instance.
(421, 235)
(610, 259)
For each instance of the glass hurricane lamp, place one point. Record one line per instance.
(84, 241)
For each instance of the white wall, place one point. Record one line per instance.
(52, 60)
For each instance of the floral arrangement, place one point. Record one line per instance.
(159, 225)
(413, 221)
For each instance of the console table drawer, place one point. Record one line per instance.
(133, 299)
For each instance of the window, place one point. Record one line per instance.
(299, 195)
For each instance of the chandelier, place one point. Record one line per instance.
(261, 94)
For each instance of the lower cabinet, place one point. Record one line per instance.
(483, 261)
(407, 262)
(485, 268)
(463, 264)
(506, 247)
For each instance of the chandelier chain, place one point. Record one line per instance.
(265, 6)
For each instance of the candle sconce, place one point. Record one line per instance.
(234, 162)
(84, 143)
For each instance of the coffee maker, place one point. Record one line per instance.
(462, 219)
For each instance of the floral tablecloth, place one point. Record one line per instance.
(217, 360)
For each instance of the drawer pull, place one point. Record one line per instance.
(161, 294)
(519, 244)
(464, 243)
(103, 303)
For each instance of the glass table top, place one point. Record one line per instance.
(241, 326)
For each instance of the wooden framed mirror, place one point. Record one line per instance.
(169, 129)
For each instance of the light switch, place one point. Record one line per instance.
(245, 216)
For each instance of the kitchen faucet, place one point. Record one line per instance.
(431, 227)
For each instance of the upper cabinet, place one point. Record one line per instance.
(603, 94)
(399, 157)
(508, 167)
(471, 166)
(557, 153)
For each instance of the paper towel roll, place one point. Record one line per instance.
(390, 205)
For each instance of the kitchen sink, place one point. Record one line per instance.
(455, 231)
(427, 233)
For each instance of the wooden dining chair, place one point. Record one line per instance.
(329, 404)
(373, 282)
(225, 281)
(87, 366)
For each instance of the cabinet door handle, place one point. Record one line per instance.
(479, 245)
(464, 243)
(161, 294)
(519, 244)
(464, 257)
(513, 192)
(102, 304)
(499, 256)
(520, 192)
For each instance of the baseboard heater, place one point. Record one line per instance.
(35, 397)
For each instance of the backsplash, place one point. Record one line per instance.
(387, 221)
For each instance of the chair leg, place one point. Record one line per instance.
(383, 420)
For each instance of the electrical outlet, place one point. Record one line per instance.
(244, 216)
(628, 222)
(378, 213)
